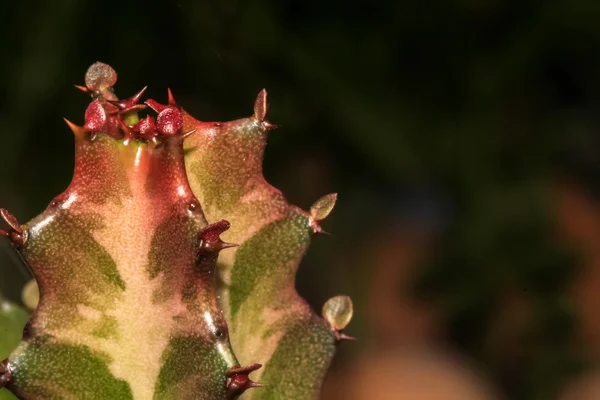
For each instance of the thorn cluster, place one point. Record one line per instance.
(130, 104)
(238, 380)
(107, 114)
(15, 234)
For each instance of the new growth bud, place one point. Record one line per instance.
(321, 210)
(100, 76)
(338, 311)
(260, 110)
(99, 81)
(130, 104)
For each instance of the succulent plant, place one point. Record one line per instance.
(146, 290)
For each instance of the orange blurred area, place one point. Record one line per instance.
(407, 354)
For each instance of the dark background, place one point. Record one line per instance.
(461, 136)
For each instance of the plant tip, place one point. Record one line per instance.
(100, 76)
(261, 106)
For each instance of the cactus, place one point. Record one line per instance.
(146, 290)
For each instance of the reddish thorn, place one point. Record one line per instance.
(95, 117)
(269, 126)
(238, 384)
(120, 104)
(82, 88)
(130, 104)
(125, 108)
(224, 245)
(3, 232)
(316, 228)
(261, 106)
(169, 121)
(339, 336)
(238, 380)
(136, 97)
(172, 101)
(77, 130)
(188, 133)
(216, 247)
(135, 107)
(11, 220)
(155, 105)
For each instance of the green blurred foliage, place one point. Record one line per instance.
(443, 115)
(12, 322)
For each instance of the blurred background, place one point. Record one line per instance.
(462, 137)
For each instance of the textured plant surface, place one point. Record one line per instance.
(133, 303)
